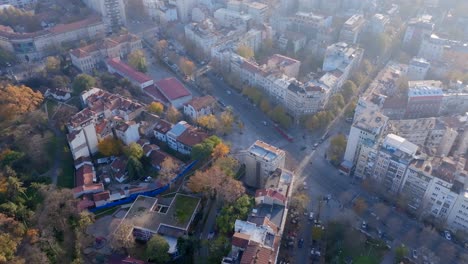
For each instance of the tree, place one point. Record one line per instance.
(52, 65)
(208, 122)
(278, 114)
(215, 182)
(186, 66)
(360, 206)
(137, 60)
(60, 81)
(168, 170)
(173, 115)
(6, 57)
(156, 108)
(227, 119)
(317, 233)
(337, 148)
(229, 213)
(228, 165)
(265, 105)
(401, 252)
(82, 83)
(300, 202)
(122, 237)
(17, 100)
(157, 249)
(204, 149)
(110, 147)
(336, 103)
(245, 51)
(220, 151)
(349, 89)
(134, 150)
(134, 168)
(161, 47)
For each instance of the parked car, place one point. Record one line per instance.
(414, 254)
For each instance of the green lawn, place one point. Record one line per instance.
(66, 176)
(185, 206)
(107, 211)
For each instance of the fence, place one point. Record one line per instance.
(152, 193)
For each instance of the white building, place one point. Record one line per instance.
(200, 106)
(86, 58)
(352, 29)
(127, 132)
(393, 158)
(260, 160)
(458, 217)
(368, 125)
(232, 18)
(342, 59)
(112, 11)
(203, 35)
(378, 23)
(305, 99)
(22, 4)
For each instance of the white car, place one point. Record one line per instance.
(447, 235)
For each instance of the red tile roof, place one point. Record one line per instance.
(61, 28)
(84, 175)
(191, 137)
(172, 88)
(257, 254)
(101, 196)
(199, 103)
(128, 71)
(157, 157)
(93, 188)
(155, 94)
(240, 240)
(85, 204)
(271, 193)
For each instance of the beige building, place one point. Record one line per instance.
(36, 45)
(260, 160)
(86, 58)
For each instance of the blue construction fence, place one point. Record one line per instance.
(152, 193)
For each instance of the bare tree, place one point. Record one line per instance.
(168, 170)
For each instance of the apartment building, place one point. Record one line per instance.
(308, 23)
(203, 35)
(112, 12)
(87, 58)
(160, 11)
(423, 101)
(36, 45)
(304, 99)
(341, 60)
(417, 69)
(368, 125)
(393, 158)
(378, 23)
(232, 18)
(352, 28)
(417, 29)
(418, 178)
(260, 160)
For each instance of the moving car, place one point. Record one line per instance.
(300, 243)
(447, 235)
(311, 216)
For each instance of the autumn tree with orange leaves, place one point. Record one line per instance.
(220, 150)
(17, 100)
(216, 183)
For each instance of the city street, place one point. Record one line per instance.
(320, 176)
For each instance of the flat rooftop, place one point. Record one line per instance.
(272, 212)
(398, 143)
(162, 215)
(265, 151)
